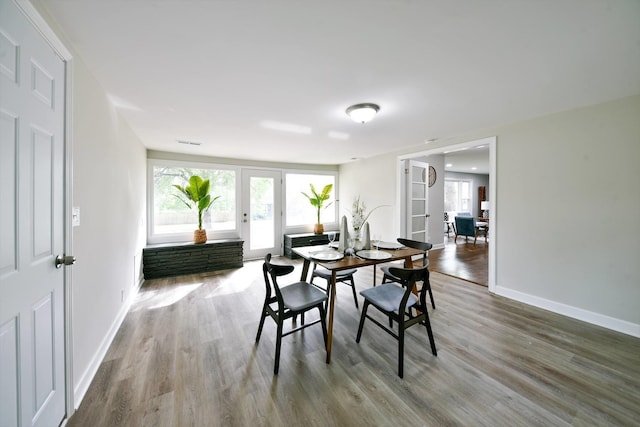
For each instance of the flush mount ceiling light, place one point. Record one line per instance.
(362, 113)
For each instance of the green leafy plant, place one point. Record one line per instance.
(196, 195)
(317, 199)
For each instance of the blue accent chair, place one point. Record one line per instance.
(466, 226)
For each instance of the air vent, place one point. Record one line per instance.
(189, 142)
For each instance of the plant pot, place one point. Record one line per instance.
(318, 228)
(200, 236)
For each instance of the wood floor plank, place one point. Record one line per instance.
(186, 355)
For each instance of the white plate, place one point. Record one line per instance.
(327, 255)
(373, 254)
(389, 245)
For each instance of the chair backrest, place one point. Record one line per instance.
(416, 244)
(271, 272)
(465, 225)
(408, 276)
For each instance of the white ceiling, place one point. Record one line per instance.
(469, 160)
(224, 72)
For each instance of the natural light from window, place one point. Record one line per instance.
(299, 210)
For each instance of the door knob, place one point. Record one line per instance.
(65, 260)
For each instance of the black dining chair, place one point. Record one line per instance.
(289, 301)
(344, 276)
(415, 244)
(396, 301)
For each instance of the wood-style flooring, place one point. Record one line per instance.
(462, 259)
(185, 356)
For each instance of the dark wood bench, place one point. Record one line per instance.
(175, 259)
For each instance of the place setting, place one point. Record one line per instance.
(376, 253)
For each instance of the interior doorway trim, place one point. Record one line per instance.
(491, 142)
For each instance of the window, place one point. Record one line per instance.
(299, 211)
(457, 195)
(171, 219)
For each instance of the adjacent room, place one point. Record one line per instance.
(321, 213)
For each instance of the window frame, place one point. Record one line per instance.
(184, 237)
(308, 228)
(459, 181)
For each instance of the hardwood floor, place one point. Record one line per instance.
(185, 356)
(462, 259)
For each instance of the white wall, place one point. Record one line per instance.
(578, 255)
(374, 180)
(109, 187)
(581, 249)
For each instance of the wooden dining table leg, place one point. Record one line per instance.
(305, 270)
(332, 298)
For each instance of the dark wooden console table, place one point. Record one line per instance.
(175, 259)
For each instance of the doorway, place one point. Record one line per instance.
(491, 142)
(261, 215)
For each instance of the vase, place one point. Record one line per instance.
(200, 236)
(357, 239)
(318, 228)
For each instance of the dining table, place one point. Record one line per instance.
(335, 261)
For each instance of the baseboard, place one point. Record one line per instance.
(614, 324)
(85, 381)
(438, 246)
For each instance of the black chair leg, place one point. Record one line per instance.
(401, 350)
(427, 324)
(278, 343)
(353, 289)
(362, 317)
(323, 322)
(262, 317)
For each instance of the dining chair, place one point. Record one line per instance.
(344, 276)
(395, 302)
(289, 301)
(415, 244)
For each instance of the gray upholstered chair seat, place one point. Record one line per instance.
(388, 297)
(300, 295)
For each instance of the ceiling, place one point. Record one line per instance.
(468, 160)
(270, 80)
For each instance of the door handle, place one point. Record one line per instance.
(65, 260)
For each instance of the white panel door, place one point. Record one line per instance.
(32, 376)
(417, 197)
(261, 212)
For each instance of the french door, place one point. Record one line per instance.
(417, 200)
(261, 212)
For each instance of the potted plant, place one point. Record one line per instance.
(196, 195)
(317, 201)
